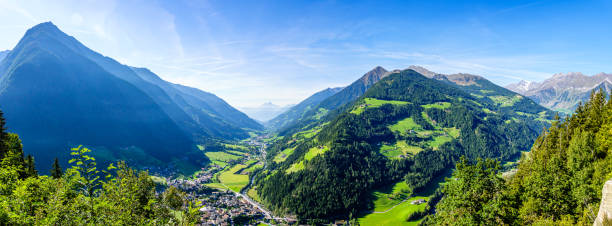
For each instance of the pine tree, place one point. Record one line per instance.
(30, 168)
(3, 136)
(56, 171)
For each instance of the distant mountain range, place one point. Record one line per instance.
(265, 112)
(57, 93)
(564, 91)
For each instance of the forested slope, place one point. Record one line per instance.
(296, 112)
(330, 107)
(405, 127)
(557, 183)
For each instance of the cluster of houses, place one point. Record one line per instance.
(222, 208)
(418, 201)
(196, 184)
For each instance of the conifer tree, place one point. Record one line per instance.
(56, 171)
(30, 168)
(3, 136)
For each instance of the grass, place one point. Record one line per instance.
(219, 186)
(236, 147)
(374, 103)
(399, 213)
(308, 133)
(314, 151)
(200, 147)
(320, 113)
(282, 156)
(219, 163)
(488, 111)
(386, 199)
(221, 156)
(453, 132)
(477, 96)
(404, 126)
(252, 193)
(396, 216)
(506, 101)
(234, 181)
(236, 152)
(399, 148)
(438, 140)
(295, 167)
(439, 105)
(390, 196)
(252, 168)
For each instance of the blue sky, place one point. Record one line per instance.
(251, 52)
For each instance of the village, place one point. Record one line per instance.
(225, 207)
(218, 207)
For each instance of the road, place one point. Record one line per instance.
(243, 191)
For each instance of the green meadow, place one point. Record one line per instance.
(233, 181)
(314, 151)
(282, 156)
(439, 105)
(374, 103)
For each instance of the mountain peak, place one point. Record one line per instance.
(47, 36)
(569, 74)
(46, 27)
(378, 68)
(373, 75)
(422, 70)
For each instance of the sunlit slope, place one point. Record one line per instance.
(405, 124)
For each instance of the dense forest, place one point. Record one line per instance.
(337, 184)
(83, 194)
(558, 182)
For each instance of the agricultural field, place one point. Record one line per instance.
(398, 149)
(392, 206)
(389, 208)
(506, 101)
(234, 181)
(439, 140)
(405, 126)
(282, 156)
(252, 167)
(252, 193)
(390, 196)
(221, 158)
(308, 133)
(237, 147)
(314, 151)
(374, 103)
(295, 167)
(439, 105)
(395, 216)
